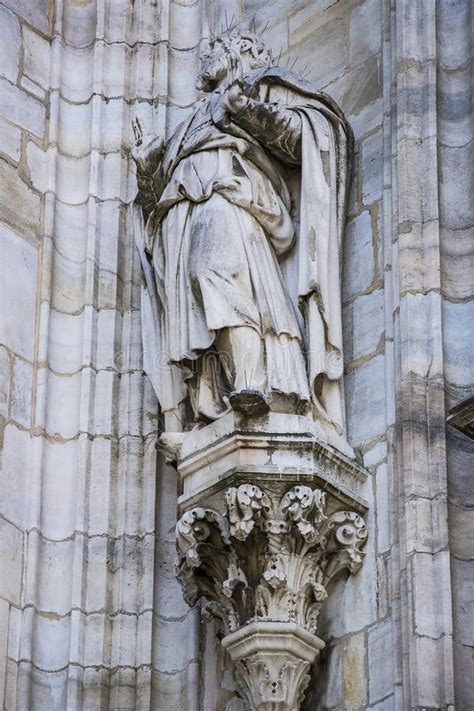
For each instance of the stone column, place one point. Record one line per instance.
(421, 572)
(270, 514)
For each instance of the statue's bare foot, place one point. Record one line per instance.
(250, 403)
(169, 443)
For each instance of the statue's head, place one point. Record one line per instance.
(231, 55)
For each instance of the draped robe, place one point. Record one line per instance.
(245, 230)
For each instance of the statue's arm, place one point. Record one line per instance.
(148, 155)
(273, 124)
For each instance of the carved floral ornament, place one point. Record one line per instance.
(263, 568)
(266, 559)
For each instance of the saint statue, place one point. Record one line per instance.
(239, 220)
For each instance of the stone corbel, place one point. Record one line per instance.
(263, 566)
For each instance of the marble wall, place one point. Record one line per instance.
(90, 613)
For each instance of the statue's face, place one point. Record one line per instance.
(214, 66)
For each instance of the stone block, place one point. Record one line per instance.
(33, 88)
(77, 74)
(383, 509)
(72, 179)
(36, 57)
(18, 275)
(116, 115)
(61, 419)
(14, 479)
(14, 630)
(11, 44)
(365, 35)
(463, 598)
(10, 140)
(49, 689)
(45, 640)
(53, 482)
(74, 130)
(185, 25)
(420, 316)
(376, 454)
(22, 392)
(130, 558)
(138, 456)
(461, 530)
(363, 325)
(11, 555)
(433, 678)
(22, 109)
(321, 45)
(464, 678)
(380, 644)
(177, 690)
(358, 91)
(460, 454)
(22, 210)
(371, 166)
(41, 166)
(176, 644)
(140, 63)
(430, 580)
(65, 341)
(302, 19)
(455, 186)
(457, 249)
(182, 75)
(4, 620)
(458, 337)
(358, 256)
(36, 14)
(354, 672)
(365, 402)
(49, 572)
(5, 378)
(385, 705)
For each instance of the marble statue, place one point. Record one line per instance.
(239, 218)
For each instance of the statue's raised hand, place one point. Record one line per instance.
(234, 99)
(148, 150)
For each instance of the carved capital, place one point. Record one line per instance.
(263, 567)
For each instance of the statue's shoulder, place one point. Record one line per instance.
(282, 78)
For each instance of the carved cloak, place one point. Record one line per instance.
(318, 189)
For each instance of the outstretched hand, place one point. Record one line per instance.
(139, 130)
(148, 150)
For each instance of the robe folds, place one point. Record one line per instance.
(242, 234)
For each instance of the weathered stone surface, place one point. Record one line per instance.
(365, 400)
(36, 57)
(22, 109)
(364, 322)
(18, 268)
(36, 14)
(27, 219)
(10, 140)
(5, 378)
(380, 662)
(11, 555)
(22, 392)
(354, 672)
(371, 165)
(10, 59)
(358, 263)
(365, 32)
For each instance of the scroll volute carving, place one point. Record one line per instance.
(267, 557)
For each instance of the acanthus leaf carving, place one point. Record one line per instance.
(267, 557)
